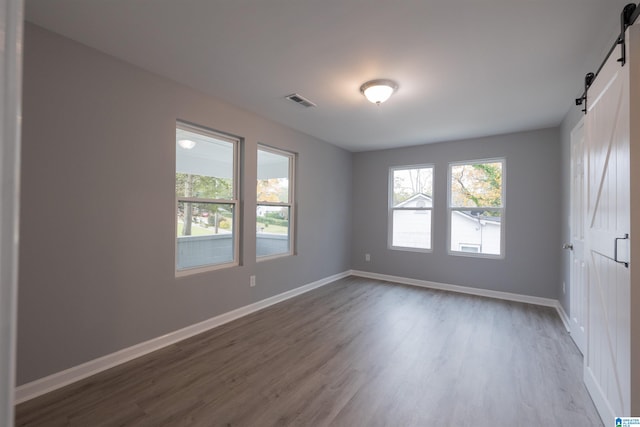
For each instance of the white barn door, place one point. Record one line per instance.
(607, 367)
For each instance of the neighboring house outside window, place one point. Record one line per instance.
(206, 199)
(410, 207)
(476, 208)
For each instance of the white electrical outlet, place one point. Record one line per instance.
(367, 257)
(252, 281)
(564, 291)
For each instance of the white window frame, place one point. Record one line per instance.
(451, 209)
(291, 204)
(391, 209)
(236, 141)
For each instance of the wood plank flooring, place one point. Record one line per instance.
(357, 352)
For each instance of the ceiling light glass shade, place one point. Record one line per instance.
(378, 91)
(187, 144)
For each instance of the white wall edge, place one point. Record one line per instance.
(58, 380)
(547, 302)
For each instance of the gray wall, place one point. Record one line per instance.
(532, 215)
(98, 208)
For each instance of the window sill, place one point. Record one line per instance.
(204, 269)
(475, 255)
(271, 257)
(408, 249)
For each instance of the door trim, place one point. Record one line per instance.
(11, 25)
(578, 338)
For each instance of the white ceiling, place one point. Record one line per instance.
(466, 68)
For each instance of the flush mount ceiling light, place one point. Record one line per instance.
(378, 91)
(187, 144)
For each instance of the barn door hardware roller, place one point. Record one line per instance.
(615, 250)
(588, 80)
(628, 17)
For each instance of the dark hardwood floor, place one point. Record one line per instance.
(356, 352)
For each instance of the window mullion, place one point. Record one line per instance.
(199, 200)
(273, 204)
(411, 209)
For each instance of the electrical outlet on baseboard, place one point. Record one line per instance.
(252, 281)
(367, 257)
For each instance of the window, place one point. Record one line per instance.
(206, 198)
(410, 207)
(476, 208)
(275, 203)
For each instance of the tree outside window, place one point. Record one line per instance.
(476, 206)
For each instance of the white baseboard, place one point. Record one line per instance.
(60, 379)
(547, 302)
(563, 316)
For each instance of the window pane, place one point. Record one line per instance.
(412, 187)
(273, 177)
(205, 234)
(476, 185)
(412, 229)
(272, 230)
(204, 166)
(476, 231)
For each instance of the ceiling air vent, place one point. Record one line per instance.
(299, 99)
